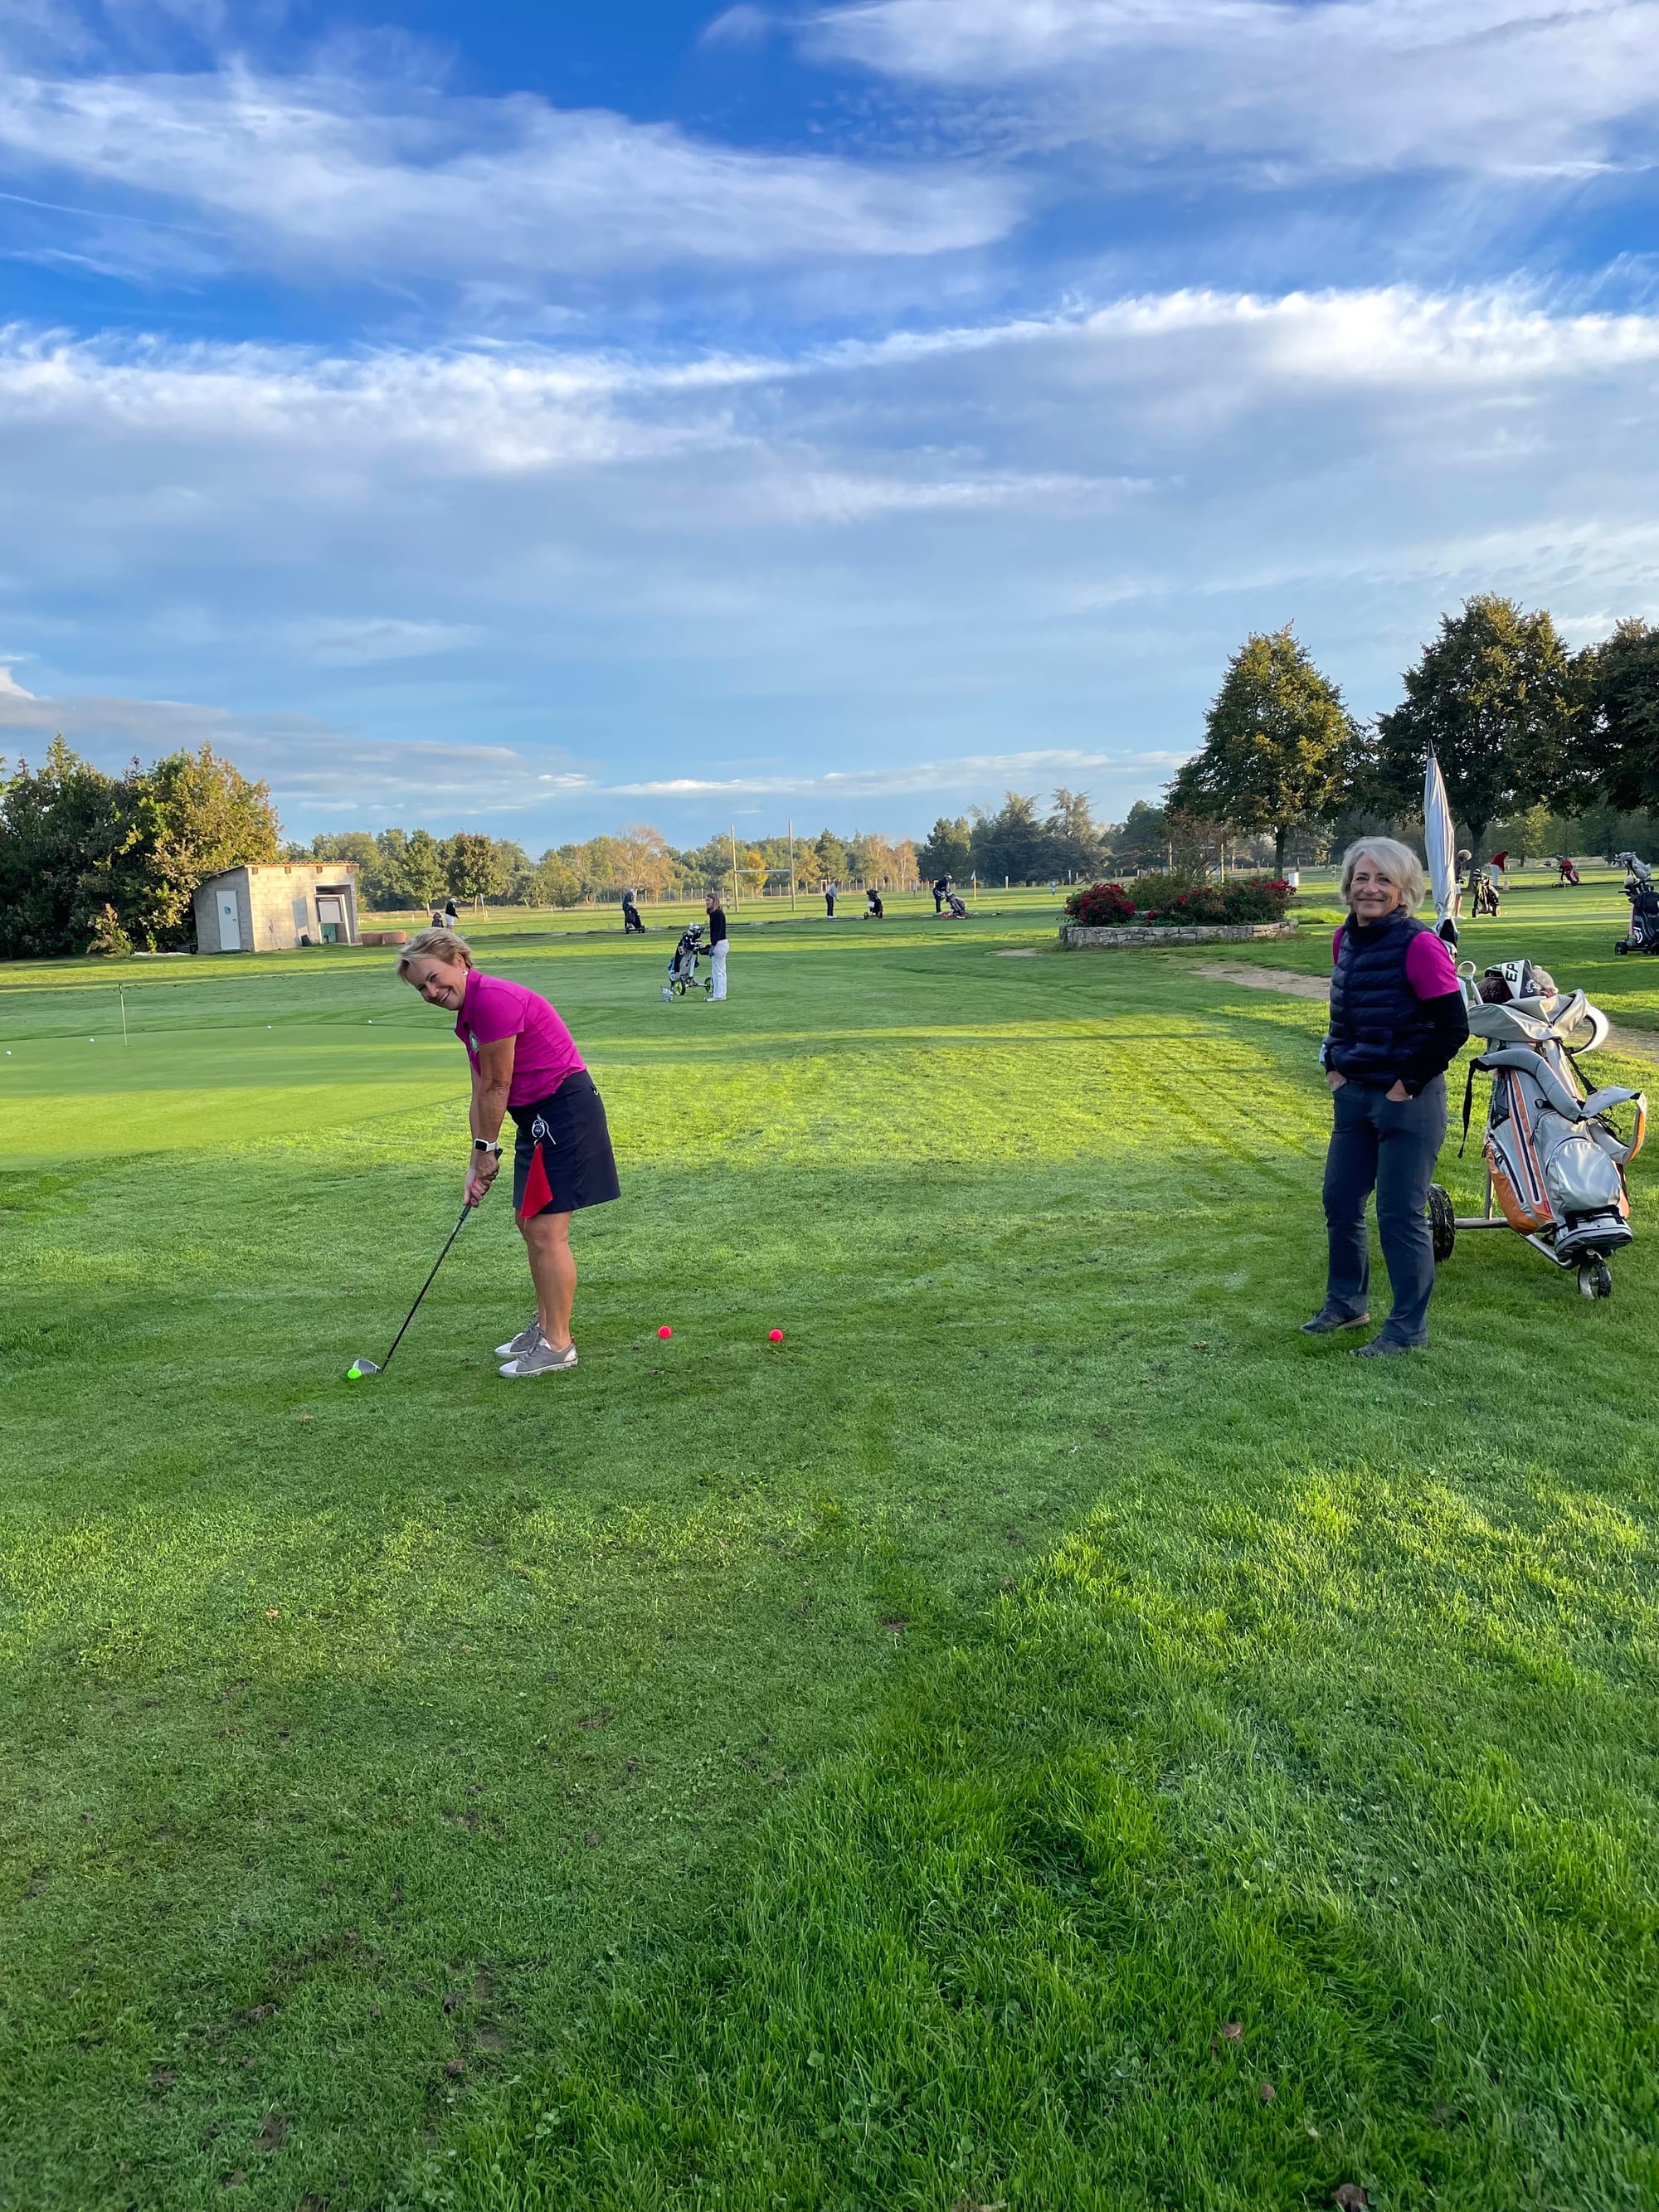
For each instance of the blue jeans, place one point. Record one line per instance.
(1388, 1146)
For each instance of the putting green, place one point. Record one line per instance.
(882, 1767)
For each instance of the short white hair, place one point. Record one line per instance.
(1398, 863)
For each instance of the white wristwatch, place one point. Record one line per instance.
(484, 1144)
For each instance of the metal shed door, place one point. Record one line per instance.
(230, 923)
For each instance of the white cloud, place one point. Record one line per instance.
(537, 578)
(1515, 87)
(392, 182)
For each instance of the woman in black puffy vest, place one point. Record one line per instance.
(1398, 1021)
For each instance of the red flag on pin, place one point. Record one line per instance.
(538, 1191)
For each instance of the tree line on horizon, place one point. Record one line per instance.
(1543, 749)
(402, 870)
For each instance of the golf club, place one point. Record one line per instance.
(359, 1368)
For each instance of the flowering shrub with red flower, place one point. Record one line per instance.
(1175, 901)
(1101, 906)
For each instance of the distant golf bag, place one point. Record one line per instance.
(1643, 908)
(1485, 895)
(683, 967)
(954, 906)
(1555, 1163)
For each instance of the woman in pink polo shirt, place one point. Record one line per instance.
(525, 1063)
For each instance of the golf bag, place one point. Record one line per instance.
(954, 906)
(1555, 1163)
(682, 965)
(1485, 895)
(1643, 908)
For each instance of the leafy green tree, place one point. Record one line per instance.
(834, 865)
(947, 849)
(60, 832)
(1011, 843)
(187, 817)
(1142, 839)
(474, 866)
(425, 871)
(1077, 842)
(553, 882)
(1279, 744)
(1495, 696)
(1621, 682)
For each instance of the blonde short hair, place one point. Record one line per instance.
(1398, 863)
(434, 945)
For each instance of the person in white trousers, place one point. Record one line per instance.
(717, 947)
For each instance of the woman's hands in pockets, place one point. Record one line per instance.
(1396, 1090)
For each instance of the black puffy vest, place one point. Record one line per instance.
(1377, 1020)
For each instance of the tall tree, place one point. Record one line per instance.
(186, 819)
(1012, 843)
(1077, 842)
(475, 868)
(1278, 743)
(424, 873)
(947, 849)
(60, 832)
(1621, 683)
(1141, 839)
(1495, 696)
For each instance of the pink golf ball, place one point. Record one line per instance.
(774, 1336)
(665, 1331)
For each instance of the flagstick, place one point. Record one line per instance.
(121, 993)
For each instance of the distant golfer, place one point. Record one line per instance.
(450, 915)
(830, 890)
(1398, 1021)
(524, 1063)
(941, 886)
(631, 922)
(718, 947)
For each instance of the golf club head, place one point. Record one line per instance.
(359, 1368)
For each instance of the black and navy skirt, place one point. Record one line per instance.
(570, 1136)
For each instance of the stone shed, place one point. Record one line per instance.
(273, 908)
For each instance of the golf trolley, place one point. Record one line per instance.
(1644, 935)
(682, 965)
(1555, 1162)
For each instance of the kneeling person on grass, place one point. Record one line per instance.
(525, 1063)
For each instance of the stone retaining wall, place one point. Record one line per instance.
(1075, 938)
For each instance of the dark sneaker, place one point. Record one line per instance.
(1327, 1321)
(1384, 1346)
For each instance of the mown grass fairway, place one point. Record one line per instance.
(1046, 1734)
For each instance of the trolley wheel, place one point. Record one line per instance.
(1594, 1279)
(1443, 1222)
(1621, 947)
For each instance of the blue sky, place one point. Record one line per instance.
(546, 418)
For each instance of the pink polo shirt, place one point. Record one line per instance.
(492, 1008)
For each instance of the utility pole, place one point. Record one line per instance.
(737, 888)
(792, 865)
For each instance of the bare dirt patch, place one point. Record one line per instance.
(1266, 979)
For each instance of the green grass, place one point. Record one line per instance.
(870, 1772)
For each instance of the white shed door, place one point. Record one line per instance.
(230, 923)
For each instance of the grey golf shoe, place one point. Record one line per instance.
(526, 1340)
(541, 1359)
